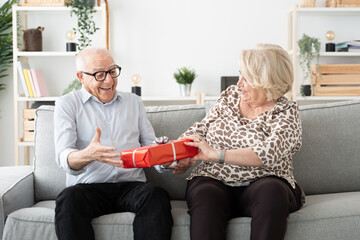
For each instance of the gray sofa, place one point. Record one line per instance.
(327, 167)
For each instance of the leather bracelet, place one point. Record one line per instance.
(222, 156)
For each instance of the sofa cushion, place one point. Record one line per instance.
(174, 120)
(15, 179)
(175, 185)
(325, 216)
(37, 222)
(329, 160)
(49, 179)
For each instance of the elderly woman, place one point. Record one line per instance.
(246, 145)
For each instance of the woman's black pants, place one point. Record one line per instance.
(77, 205)
(268, 201)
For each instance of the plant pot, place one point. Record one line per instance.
(185, 89)
(90, 2)
(305, 90)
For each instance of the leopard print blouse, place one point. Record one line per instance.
(274, 136)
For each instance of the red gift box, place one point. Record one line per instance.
(156, 154)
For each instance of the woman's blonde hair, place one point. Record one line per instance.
(268, 67)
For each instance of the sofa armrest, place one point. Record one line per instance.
(16, 190)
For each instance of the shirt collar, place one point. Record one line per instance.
(85, 96)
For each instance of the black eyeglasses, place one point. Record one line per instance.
(101, 75)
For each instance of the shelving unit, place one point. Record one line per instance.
(21, 102)
(319, 30)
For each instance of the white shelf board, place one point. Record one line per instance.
(46, 54)
(326, 98)
(211, 98)
(144, 98)
(171, 98)
(25, 144)
(340, 54)
(333, 54)
(37, 99)
(46, 8)
(327, 10)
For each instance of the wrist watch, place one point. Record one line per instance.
(222, 156)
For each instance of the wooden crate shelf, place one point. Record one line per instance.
(28, 125)
(336, 79)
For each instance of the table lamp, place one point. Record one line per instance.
(70, 46)
(136, 79)
(330, 47)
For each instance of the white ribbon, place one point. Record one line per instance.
(173, 148)
(174, 152)
(134, 157)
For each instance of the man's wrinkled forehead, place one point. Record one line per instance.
(103, 67)
(99, 61)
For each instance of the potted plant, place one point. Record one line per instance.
(184, 77)
(84, 11)
(309, 50)
(6, 40)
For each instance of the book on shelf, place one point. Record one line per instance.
(39, 83)
(31, 82)
(20, 66)
(28, 83)
(348, 46)
(354, 49)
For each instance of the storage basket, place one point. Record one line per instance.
(44, 2)
(336, 79)
(348, 3)
(331, 3)
(307, 3)
(28, 125)
(342, 3)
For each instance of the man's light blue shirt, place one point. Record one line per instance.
(123, 125)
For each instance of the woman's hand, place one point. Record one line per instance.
(180, 166)
(183, 165)
(206, 153)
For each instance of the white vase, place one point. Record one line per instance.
(185, 89)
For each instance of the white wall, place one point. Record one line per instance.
(153, 38)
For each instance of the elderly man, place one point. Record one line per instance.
(92, 126)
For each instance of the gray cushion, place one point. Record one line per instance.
(329, 160)
(168, 121)
(174, 120)
(37, 222)
(209, 105)
(16, 190)
(49, 178)
(175, 185)
(327, 216)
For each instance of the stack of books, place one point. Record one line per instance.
(32, 81)
(348, 46)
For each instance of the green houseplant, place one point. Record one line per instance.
(6, 47)
(84, 11)
(184, 77)
(309, 50)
